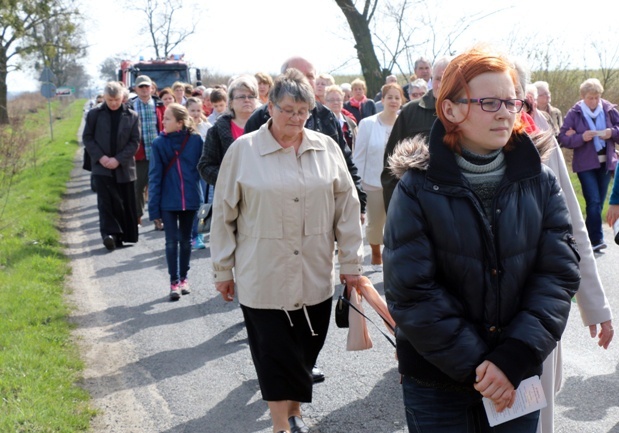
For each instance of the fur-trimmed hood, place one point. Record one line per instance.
(413, 153)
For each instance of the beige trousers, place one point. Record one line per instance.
(376, 217)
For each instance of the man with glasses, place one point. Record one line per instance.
(150, 111)
(416, 117)
(543, 104)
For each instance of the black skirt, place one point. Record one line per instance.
(284, 355)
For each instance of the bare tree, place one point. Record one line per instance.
(608, 55)
(165, 25)
(400, 39)
(359, 23)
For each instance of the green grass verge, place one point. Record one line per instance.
(39, 362)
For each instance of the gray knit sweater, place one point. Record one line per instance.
(484, 173)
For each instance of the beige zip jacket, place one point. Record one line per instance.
(276, 215)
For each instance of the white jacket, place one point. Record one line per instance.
(369, 150)
(276, 215)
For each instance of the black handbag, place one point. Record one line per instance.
(342, 306)
(204, 218)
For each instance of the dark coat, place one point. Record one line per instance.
(178, 188)
(218, 140)
(96, 138)
(367, 109)
(463, 290)
(321, 120)
(416, 117)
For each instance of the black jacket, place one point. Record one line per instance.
(462, 290)
(321, 120)
(218, 140)
(96, 138)
(416, 117)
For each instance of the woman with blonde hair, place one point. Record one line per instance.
(174, 191)
(322, 82)
(359, 104)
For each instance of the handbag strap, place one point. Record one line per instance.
(343, 299)
(176, 154)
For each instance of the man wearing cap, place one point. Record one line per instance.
(150, 112)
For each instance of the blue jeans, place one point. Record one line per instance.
(208, 198)
(594, 188)
(434, 410)
(177, 227)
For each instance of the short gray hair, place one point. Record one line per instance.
(591, 85)
(242, 82)
(421, 60)
(542, 85)
(441, 63)
(113, 89)
(294, 84)
(419, 83)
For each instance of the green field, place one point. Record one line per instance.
(40, 365)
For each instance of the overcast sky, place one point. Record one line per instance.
(237, 36)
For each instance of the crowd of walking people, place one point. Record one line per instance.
(471, 218)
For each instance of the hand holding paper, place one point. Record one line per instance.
(492, 383)
(529, 398)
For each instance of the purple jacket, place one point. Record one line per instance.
(585, 156)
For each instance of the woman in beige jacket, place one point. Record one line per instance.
(283, 196)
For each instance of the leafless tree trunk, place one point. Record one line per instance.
(359, 23)
(163, 26)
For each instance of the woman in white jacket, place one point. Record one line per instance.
(369, 150)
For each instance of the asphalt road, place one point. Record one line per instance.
(185, 367)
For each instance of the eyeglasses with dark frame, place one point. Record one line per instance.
(244, 97)
(492, 105)
(301, 114)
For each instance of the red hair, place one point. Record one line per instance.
(460, 71)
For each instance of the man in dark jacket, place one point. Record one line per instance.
(111, 137)
(150, 111)
(321, 120)
(415, 118)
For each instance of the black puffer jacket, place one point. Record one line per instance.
(462, 290)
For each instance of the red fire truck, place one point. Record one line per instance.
(164, 72)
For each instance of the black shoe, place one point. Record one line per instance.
(297, 425)
(317, 375)
(110, 242)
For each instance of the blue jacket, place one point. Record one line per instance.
(179, 188)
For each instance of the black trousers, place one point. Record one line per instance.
(117, 208)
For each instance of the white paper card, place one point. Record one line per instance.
(529, 398)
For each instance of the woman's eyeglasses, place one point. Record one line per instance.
(492, 105)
